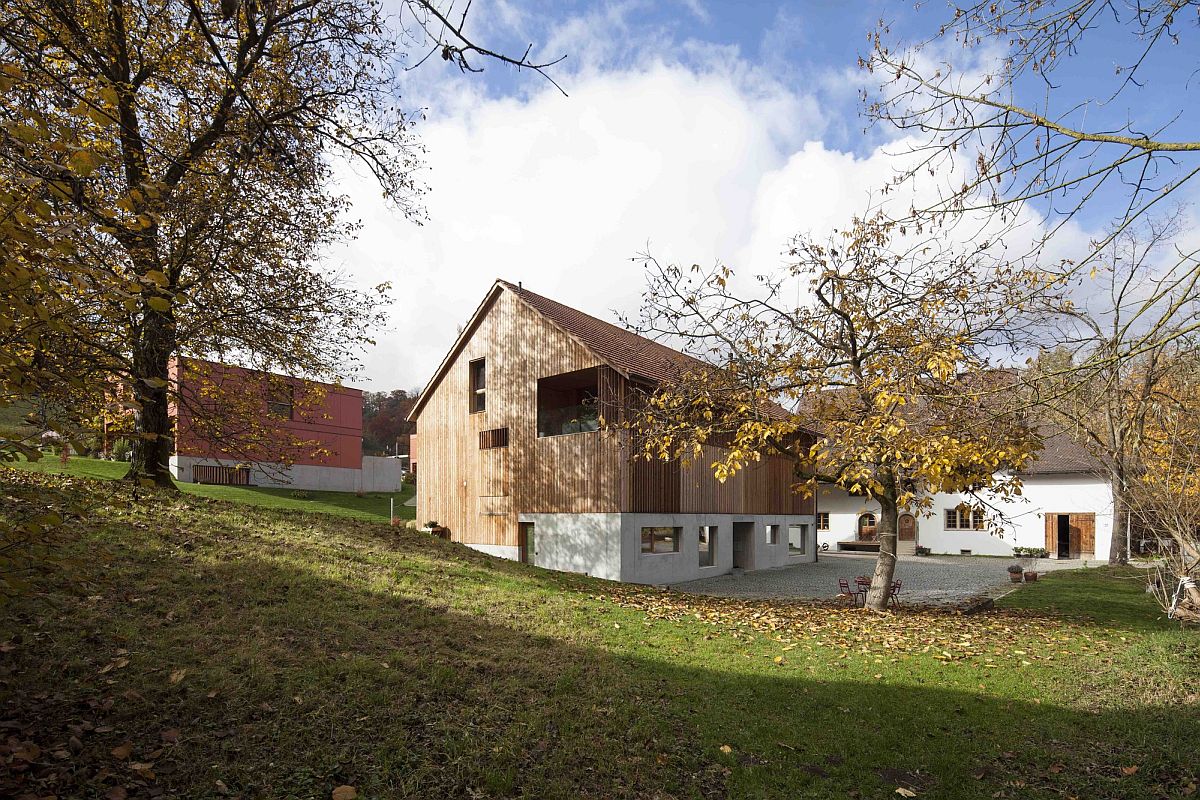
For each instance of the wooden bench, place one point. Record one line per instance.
(859, 547)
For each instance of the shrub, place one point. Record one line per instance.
(432, 524)
(301, 494)
(412, 525)
(120, 450)
(1031, 552)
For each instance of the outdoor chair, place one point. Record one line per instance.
(894, 597)
(848, 594)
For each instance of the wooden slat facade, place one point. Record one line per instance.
(479, 493)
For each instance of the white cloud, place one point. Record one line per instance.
(561, 193)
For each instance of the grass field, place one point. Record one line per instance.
(205, 649)
(371, 506)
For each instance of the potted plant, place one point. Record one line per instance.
(1014, 572)
(921, 550)
(437, 530)
(1029, 557)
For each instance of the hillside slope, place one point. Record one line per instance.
(205, 649)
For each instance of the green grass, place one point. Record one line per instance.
(370, 506)
(249, 652)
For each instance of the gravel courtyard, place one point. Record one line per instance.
(928, 579)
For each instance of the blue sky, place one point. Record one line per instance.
(701, 131)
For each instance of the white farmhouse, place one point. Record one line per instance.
(1065, 507)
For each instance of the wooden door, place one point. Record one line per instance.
(526, 546)
(1083, 535)
(868, 530)
(908, 528)
(1052, 534)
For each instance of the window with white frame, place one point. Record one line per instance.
(660, 540)
(964, 518)
(708, 545)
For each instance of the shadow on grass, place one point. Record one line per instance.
(290, 672)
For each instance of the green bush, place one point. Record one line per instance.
(301, 494)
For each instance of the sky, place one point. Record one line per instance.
(693, 130)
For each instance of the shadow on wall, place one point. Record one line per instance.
(339, 674)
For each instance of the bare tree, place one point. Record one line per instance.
(1115, 345)
(876, 342)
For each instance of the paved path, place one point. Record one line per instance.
(927, 579)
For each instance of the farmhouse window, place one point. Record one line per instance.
(478, 370)
(708, 545)
(822, 520)
(661, 540)
(964, 518)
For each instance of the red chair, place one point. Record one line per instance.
(852, 595)
(863, 583)
(894, 596)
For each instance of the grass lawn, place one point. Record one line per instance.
(206, 649)
(371, 506)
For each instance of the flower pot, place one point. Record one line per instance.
(1030, 577)
(1016, 577)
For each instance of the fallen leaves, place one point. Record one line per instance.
(939, 634)
(344, 793)
(122, 751)
(177, 676)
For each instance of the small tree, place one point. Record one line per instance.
(876, 342)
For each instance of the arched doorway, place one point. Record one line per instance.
(908, 528)
(867, 528)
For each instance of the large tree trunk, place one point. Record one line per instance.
(885, 565)
(153, 444)
(1118, 553)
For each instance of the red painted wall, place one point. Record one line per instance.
(325, 427)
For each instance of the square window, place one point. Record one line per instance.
(798, 539)
(660, 540)
(708, 545)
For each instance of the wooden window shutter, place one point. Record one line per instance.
(1051, 533)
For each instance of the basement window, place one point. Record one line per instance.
(708, 545)
(478, 371)
(568, 403)
(660, 540)
(798, 539)
(772, 534)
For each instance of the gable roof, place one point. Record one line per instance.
(625, 351)
(632, 355)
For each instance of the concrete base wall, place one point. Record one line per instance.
(300, 476)
(381, 474)
(609, 545)
(1021, 519)
(587, 543)
(498, 550)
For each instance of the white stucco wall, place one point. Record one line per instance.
(587, 543)
(1022, 518)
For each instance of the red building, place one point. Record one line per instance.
(236, 425)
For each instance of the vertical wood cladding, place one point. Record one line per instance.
(477, 487)
(478, 493)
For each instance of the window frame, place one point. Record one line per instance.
(772, 533)
(274, 405)
(493, 438)
(676, 534)
(803, 549)
(822, 520)
(477, 383)
(712, 532)
(972, 517)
